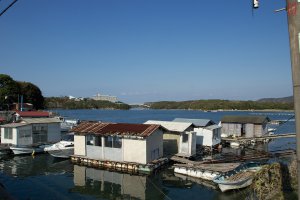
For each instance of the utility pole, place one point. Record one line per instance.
(293, 15)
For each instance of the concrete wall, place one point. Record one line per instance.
(94, 152)
(189, 147)
(171, 143)
(231, 129)
(249, 130)
(114, 154)
(135, 151)
(154, 146)
(79, 145)
(258, 130)
(204, 136)
(54, 132)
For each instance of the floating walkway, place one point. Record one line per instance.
(128, 167)
(245, 141)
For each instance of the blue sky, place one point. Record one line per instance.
(149, 50)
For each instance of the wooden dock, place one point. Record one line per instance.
(244, 140)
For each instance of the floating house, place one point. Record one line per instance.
(244, 126)
(179, 139)
(31, 131)
(118, 142)
(208, 134)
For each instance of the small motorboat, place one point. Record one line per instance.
(64, 148)
(240, 178)
(28, 149)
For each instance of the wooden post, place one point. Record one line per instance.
(293, 14)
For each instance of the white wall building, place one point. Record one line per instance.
(179, 137)
(30, 131)
(207, 132)
(139, 143)
(101, 97)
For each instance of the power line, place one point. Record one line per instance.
(10, 5)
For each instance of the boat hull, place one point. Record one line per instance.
(62, 153)
(237, 185)
(206, 175)
(26, 150)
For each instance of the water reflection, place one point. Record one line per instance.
(114, 185)
(42, 164)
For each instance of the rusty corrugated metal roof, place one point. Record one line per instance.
(122, 129)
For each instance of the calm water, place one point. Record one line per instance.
(43, 177)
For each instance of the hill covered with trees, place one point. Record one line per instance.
(215, 104)
(66, 103)
(11, 90)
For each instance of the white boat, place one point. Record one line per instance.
(240, 178)
(204, 171)
(244, 180)
(62, 149)
(67, 124)
(234, 144)
(29, 149)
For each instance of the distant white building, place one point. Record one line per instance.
(101, 97)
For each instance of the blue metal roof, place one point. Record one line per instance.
(196, 122)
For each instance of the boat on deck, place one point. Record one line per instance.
(205, 171)
(64, 148)
(240, 178)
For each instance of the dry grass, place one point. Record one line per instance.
(275, 181)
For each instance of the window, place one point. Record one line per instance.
(89, 140)
(98, 141)
(117, 142)
(185, 137)
(8, 133)
(39, 133)
(93, 140)
(24, 136)
(113, 142)
(108, 141)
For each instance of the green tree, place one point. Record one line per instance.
(32, 94)
(9, 90)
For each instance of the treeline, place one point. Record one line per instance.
(220, 104)
(11, 91)
(66, 103)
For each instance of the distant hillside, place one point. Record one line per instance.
(215, 104)
(66, 103)
(289, 99)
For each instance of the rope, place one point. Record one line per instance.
(158, 189)
(284, 122)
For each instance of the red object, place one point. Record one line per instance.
(33, 113)
(2, 119)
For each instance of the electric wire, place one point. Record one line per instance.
(10, 5)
